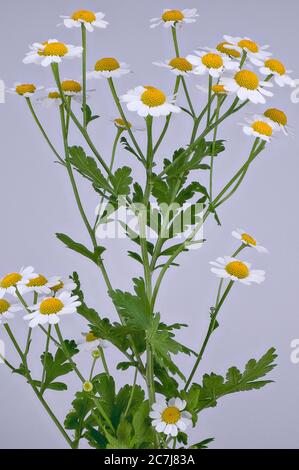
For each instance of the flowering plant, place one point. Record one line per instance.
(163, 402)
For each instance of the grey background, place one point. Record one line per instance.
(36, 202)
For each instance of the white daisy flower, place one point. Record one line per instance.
(52, 98)
(90, 19)
(247, 86)
(212, 62)
(177, 65)
(9, 282)
(40, 284)
(149, 101)
(256, 54)
(170, 418)
(248, 240)
(7, 310)
(217, 89)
(27, 90)
(259, 127)
(278, 70)
(278, 120)
(121, 124)
(173, 17)
(236, 270)
(91, 343)
(63, 285)
(224, 48)
(51, 308)
(51, 52)
(108, 67)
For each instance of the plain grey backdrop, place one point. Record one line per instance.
(36, 202)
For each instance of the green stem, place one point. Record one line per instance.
(92, 368)
(104, 362)
(175, 41)
(45, 357)
(132, 392)
(84, 57)
(28, 101)
(188, 97)
(209, 99)
(213, 148)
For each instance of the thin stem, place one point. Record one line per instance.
(209, 333)
(92, 368)
(104, 362)
(132, 392)
(214, 147)
(188, 97)
(84, 57)
(209, 99)
(175, 41)
(67, 355)
(28, 101)
(45, 357)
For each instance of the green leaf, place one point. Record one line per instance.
(202, 444)
(76, 418)
(126, 365)
(89, 116)
(216, 149)
(128, 147)
(122, 181)
(88, 168)
(79, 248)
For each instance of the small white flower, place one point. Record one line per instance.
(149, 101)
(51, 308)
(170, 418)
(52, 98)
(177, 65)
(7, 310)
(236, 270)
(278, 120)
(26, 90)
(51, 52)
(63, 285)
(91, 343)
(277, 69)
(109, 67)
(171, 18)
(247, 86)
(9, 282)
(256, 54)
(259, 126)
(213, 63)
(86, 17)
(40, 284)
(248, 240)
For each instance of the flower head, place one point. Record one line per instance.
(278, 70)
(213, 63)
(177, 65)
(259, 126)
(109, 67)
(63, 286)
(149, 101)
(248, 240)
(90, 20)
(7, 310)
(170, 418)
(52, 98)
(278, 119)
(26, 90)
(51, 308)
(236, 270)
(247, 85)
(91, 342)
(257, 54)
(11, 281)
(171, 18)
(50, 52)
(39, 284)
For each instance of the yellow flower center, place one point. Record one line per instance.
(248, 239)
(153, 97)
(71, 86)
(4, 306)
(225, 49)
(107, 64)
(90, 337)
(276, 115)
(237, 269)
(275, 66)
(50, 306)
(25, 88)
(180, 63)
(247, 79)
(212, 61)
(84, 15)
(53, 95)
(173, 15)
(38, 281)
(250, 45)
(218, 89)
(119, 122)
(10, 280)
(262, 128)
(57, 49)
(58, 287)
(171, 415)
